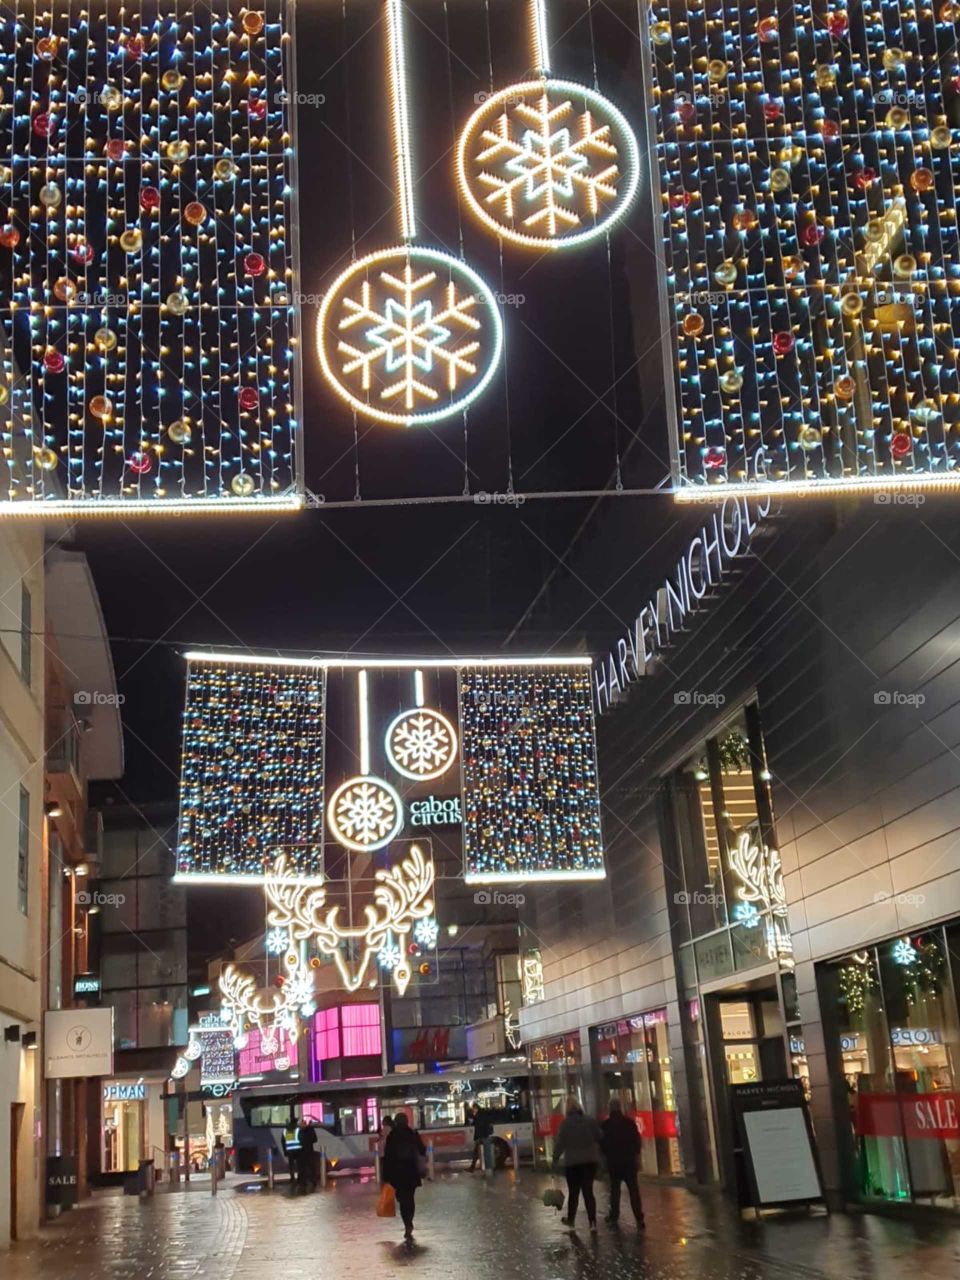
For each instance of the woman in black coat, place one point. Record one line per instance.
(402, 1156)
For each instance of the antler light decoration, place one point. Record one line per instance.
(400, 899)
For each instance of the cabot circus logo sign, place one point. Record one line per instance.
(434, 812)
(723, 539)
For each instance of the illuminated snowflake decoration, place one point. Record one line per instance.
(904, 952)
(548, 163)
(277, 941)
(421, 744)
(389, 955)
(409, 335)
(747, 913)
(426, 932)
(364, 813)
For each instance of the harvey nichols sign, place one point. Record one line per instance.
(724, 538)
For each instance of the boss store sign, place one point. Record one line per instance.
(86, 986)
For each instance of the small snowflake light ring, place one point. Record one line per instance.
(389, 956)
(421, 744)
(426, 931)
(904, 952)
(277, 941)
(548, 163)
(364, 813)
(409, 335)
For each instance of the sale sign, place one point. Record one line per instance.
(906, 1115)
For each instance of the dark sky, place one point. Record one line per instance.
(582, 379)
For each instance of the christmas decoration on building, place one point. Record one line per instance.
(761, 894)
(144, 367)
(421, 743)
(252, 776)
(531, 805)
(547, 163)
(807, 169)
(407, 335)
(364, 812)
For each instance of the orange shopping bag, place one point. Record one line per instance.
(387, 1204)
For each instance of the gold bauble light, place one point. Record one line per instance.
(731, 381)
(661, 33)
(941, 137)
(893, 59)
(46, 458)
(897, 118)
(50, 195)
(717, 70)
(243, 485)
(808, 437)
(851, 304)
(225, 169)
(179, 432)
(101, 407)
(726, 273)
(779, 179)
(105, 339)
(178, 303)
(904, 266)
(178, 151)
(172, 80)
(826, 77)
(131, 241)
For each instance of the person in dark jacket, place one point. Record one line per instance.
(620, 1144)
(482, 1133)
(402, 1156)
(306, 1166)
(578, 1145)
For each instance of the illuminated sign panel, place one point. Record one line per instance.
(147, 318)
(807, 172)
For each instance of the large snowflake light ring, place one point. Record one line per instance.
(426, 932)
(409, 335)
(364, 813)
(421, 744)
(548, 163)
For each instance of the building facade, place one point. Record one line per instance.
(22, 828)
(781, 794)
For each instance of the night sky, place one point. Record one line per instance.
(582, 379)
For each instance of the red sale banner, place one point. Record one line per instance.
(908, 1115)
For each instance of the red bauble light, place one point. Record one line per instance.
(771, 111)
(44, 124)
(82, 252)
(9, 237)
(865, 178)
(115, 149)
(838, 26)
(53, 362)
(254, 264)
(830, 130)
(149, 198)
(135, 47)
(783, 343)
(681, 199)
(249, 398)
(686, 113)
(900, 445)
(714, 457)
(812, 235)
(140, 463)
(257, 109)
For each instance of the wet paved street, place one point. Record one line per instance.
(466, 1227)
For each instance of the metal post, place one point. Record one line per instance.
(377, 1168)
(323, 1167)
(515, 1152)
(214, 1164)
(431, 1167)
(270, 1168)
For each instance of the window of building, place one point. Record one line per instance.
(23, 853)
(891, 1017)
(26, 634)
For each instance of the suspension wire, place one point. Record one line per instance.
(357, 492)
(593, 46)
(613, 371)
(453, 135)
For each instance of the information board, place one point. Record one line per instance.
(777, 1140)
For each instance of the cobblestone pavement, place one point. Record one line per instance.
(466, 1227)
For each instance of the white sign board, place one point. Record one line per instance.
(78, 1042)
(783, 1163)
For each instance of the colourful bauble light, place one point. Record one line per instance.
(131, 240)
(243, 485)
(897, 118)
(140, 463)
(225, 169)
(825, 77)
(830, 129)
(779, 179)
(809, 438)
(83, 253)
(65, 289)
(941, 137)
(50, 196)
(949, 12)
(866, 177)
(922, 179)
(851, 304)
(693, 324)
(726, 274)
(714, 457)
(179, 432)
(172, 80)
(768, 29)
(254, 264)
(717, 70)
(9, 237)
(46, 458)
(893, 58)
(904, 266)
(134, 48)
(195, 213)
(926, 412)
(257, 109)
(53, 362)
(47, 47)
(661, 33)
(811, 235)
(111, 97)
(252, 22)
(731, 381)
(838, 25)
(44, 125)
(744, 220)
(178, 303)
(249, 398)
(772, 111)
(687, 113)
(116, 149)
(845, 387)
(105, 339)
(783, 342)
(149, 198)
(101, 407)
(178, 151)
(901, 444)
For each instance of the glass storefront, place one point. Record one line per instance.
(555, 1073)
(631, 1062)
(890, 1013)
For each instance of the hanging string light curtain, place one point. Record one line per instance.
(146, 260)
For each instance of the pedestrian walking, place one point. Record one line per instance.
(578, 1145)
(386, 1128)
(482, 1134)
(620, 1144)
(404, 1158)
(307, 1135)
(290, 1141)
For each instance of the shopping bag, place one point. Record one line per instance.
(553, 1198)
(387, 1204)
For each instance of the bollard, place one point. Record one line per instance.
(515, 1152)
(378, 1171)
(323, 1167)
(174, 1168)
(213, 1163)
(270, 1168)
(431, 1167)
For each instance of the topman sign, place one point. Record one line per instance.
(724, 538)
